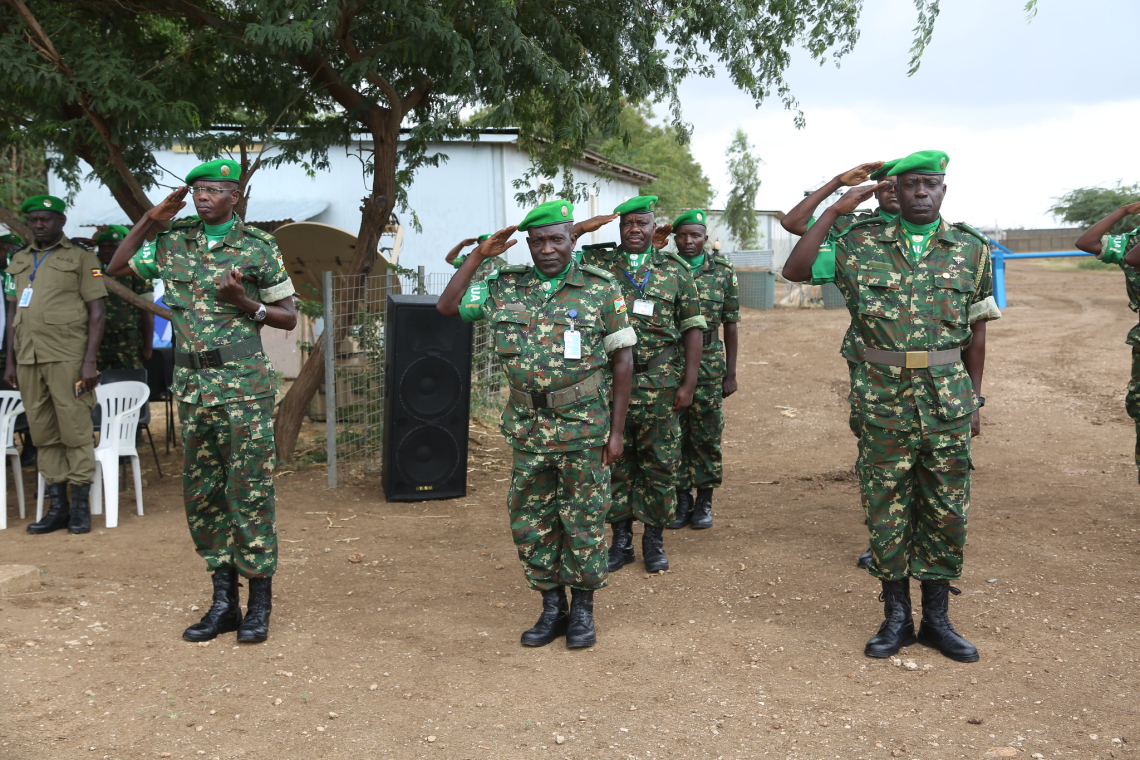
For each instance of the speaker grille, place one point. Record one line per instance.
(430, 388)
(427, 457)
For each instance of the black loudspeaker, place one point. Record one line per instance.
(427, 404)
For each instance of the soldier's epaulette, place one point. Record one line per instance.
(862, 224)
(599, 246)
(968, 229)
(722, 261)
(597, 271)
(260, 234)
(512, 269)
(78, 244)
(677, 257)
(182, 224)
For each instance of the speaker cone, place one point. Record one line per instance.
(427, 456)
(430, 388)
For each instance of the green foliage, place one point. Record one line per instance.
(1086, 206)
(744, 173)
(23, 172)
(681, 183)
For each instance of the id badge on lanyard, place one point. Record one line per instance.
(25, 298)
(641, 306)
(572, 340)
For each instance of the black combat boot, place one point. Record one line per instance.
(684, 509)
(653, 550)
(59, 511)
(702, 511)
(224, 614)
(864, 560)
(580, 633)
(897, 631)
(552, 622)
(80, 509)
(254, 629)
(621, 548)
(935, 629)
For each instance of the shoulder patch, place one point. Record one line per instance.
(597, 271)
(970, 230)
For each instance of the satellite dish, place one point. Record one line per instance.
(311, 248)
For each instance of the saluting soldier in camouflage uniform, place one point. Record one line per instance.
(664, 307)
(128, 337)
(1122, 249)
(55, 320)
(224, 281)
(702, 424)
(920, 292)
(456, 259)
(801, 217)
(563, 337)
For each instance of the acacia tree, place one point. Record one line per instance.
(744, 173)
(1086, 206)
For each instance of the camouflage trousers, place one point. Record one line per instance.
(227, 484)
(557, 503)
(644, 479)
(853, 417)
(915, 488)
(1132, 400)
(702, 426)
(121, 350)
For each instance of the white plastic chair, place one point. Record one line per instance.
(120, 404)
(10, 408)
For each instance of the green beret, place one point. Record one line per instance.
(218, 170)
(923, 162)
(113, 234)
(484, 237)
(43, 203)
(551, 212)
(642, 204)
(886, 170)
(12, 238)
(692, 216)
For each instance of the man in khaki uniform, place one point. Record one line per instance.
(55, 322)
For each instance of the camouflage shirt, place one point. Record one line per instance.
(899, 306)
(201, 319)
(1112, 250)
(720, 303)
(664, 280)
(529, 328)
(122, 317)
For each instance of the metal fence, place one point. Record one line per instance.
(355, 431)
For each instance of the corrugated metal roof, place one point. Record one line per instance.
(259, 210)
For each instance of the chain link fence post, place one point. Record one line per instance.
(330, 376)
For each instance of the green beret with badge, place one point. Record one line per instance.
(481, 238)
(923, 162)
(12, 239)
(551, 212)
(113, 234)
(218, 170)
(641, 204)
(886, 170)
(43, 203)
(692, 216)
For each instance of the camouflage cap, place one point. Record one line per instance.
(113, 234)
(218, 170)
(886, 170)
(641, 204)
(551, 212)
(923, 162)
(692, 216)
(43, 203)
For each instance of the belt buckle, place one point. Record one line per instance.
(539, 400)
(917, 359)
(212, 358)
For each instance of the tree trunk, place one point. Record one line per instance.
(15, 224)
(134, 299)
(376, 210)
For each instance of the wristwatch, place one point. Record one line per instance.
(981, 399)
(259, 315)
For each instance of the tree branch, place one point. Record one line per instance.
(134, 299)
(14, 223)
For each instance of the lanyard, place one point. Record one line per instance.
(641, 287)
(36, 263)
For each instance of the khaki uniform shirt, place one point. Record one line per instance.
(53, 326)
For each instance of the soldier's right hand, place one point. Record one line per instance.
(859, 174)
(1131, 208)
(853, 197)
(497, 244)
(170, 206)
(10, 375)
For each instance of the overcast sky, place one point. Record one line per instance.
(1026, 110)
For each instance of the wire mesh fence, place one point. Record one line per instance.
(360, 308)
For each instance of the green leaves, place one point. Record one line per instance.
(744, 173)
(1088, 205)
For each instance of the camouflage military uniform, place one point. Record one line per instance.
(914, 451)
(485, 267)
(122, 337)
(1112, 250)
(644, 479)
(226, 411)
(560, 491)
(50, 337)
(702, 424)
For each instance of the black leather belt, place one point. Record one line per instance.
(708, 337)
(218, 356)
(655, 362)
(563, 397)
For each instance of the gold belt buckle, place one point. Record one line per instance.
(917, 359)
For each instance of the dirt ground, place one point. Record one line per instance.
(395, 628)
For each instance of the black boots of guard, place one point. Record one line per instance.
(59, 511)
(580, 633)
(935, 630)
(684, 511)
(653, 549)
(702, 509)
(552, 622)
(224, 614)
(621, 548)
(897, 630)
(254, 628)
(80, 521)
